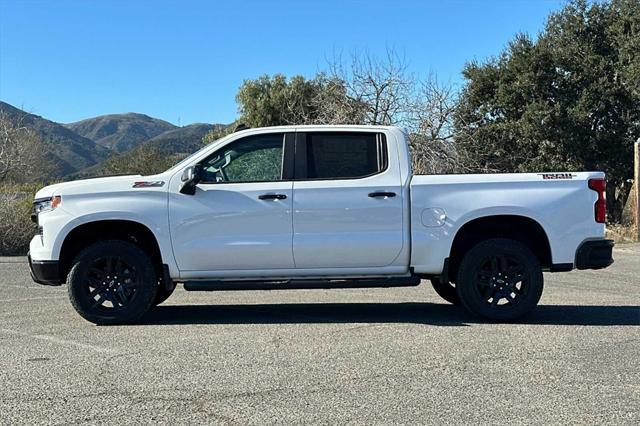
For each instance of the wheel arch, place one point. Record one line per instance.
(517, 227)
(87, 233)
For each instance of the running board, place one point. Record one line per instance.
(218, 285)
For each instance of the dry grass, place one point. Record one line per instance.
(16, 228)
(621, 233)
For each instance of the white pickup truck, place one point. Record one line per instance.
(315, 207)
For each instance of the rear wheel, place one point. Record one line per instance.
(163, 292)
(112, 282)
(500, 279)
(445, 290)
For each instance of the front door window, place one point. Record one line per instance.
(252, 159)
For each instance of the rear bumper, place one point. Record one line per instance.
(46, 272)
(594, 254)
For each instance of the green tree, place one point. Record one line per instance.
(219, 132)
(276, 100)
(569, 100)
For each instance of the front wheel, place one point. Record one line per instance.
(112, 282)
(500, 279)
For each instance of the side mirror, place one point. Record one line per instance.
(190, 178)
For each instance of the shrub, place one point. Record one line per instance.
(16, 228)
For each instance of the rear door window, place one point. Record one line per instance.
(337, 155)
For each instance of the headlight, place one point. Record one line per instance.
(46, 204)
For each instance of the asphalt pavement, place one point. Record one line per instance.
(365, 356)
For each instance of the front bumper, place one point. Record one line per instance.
(46, 272)
(594, 254)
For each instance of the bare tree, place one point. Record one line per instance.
(22, 154)
(430, 124)
(432, 109)
(380, 88)
(430, 127)
(382, 91)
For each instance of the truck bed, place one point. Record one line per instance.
(561, 203)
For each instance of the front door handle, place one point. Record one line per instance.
(272, 197)
(382, 194)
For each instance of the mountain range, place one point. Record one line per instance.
(85, 144)
(120, 132)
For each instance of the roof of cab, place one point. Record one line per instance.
(293, 128)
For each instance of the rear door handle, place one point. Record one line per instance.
(382, 194)
(272, 197)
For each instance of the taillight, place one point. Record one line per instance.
(600, 208)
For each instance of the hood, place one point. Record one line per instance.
(101, 184)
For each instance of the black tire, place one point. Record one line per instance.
(500, 279)
(163, 292)
(112, 282)
(446, 290)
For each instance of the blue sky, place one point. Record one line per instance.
(183, 61)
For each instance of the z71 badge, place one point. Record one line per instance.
(557, 175)
(148, 184)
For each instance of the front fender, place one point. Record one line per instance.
(155, 224)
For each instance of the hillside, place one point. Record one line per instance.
(182, 140)
(163, 150)
(82, 148)
(120, 132)
(69, 151)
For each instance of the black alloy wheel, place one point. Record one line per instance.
(500, 279)
(112, 282)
